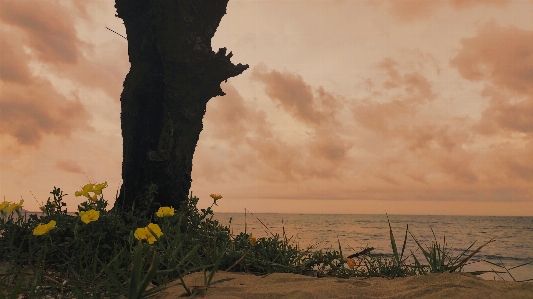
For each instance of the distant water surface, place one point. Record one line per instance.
(513, 245)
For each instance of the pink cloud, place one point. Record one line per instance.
(296, 97)
(105, 73)
(387, 178)
(48, 31)
(522, 169)
(417, 87)
(49, 27)
(514, 163)
(503, 114)
(230, 118)
(500, 55)
(459, 167)
(379, 117)
(411, 10)
(13, 61)
(418, 177)
(415, 135)
(329, 146)
(403, 94)
(69, 166)
(459, 4)
(422, 137)
(44, 34)
(30, 112)
(248, 142)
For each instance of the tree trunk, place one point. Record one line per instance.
(173, 74)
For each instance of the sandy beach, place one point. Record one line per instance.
(292, 286)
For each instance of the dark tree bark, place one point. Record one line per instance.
(173, 74)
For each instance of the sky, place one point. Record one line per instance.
(357, 107)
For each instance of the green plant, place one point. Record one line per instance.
(440, 260)
(137, 285)
(98, 253)
(92, 254)
(507, 270)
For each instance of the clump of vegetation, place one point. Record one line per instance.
(98, 253)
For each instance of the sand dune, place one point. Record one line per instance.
(292, 286)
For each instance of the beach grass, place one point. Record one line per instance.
(102, 254)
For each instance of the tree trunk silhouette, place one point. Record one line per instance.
(173, 74)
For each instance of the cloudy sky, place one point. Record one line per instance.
(407, 107)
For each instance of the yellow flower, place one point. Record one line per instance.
(351, 263)
(85, 190)
(88, 216)
(14, 206)
(93, 198)
(252, 240)
(216, 196)
(42, 229)
(165, 211)
(155, 229)
(140, 233)
(97, 189)
(4, 205)
(144, 233)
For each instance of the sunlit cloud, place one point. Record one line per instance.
(29, 113)
(408, 102)
(69, 166)
(411, 10)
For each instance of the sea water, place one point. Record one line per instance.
(513, 245)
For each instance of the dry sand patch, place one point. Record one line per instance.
(292, 286)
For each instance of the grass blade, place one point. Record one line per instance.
(471, 255)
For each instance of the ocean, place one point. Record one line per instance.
(513, 244)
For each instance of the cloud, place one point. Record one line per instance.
(230, 118)
(246, 140)
(387, 178)
(411, 10)
(522, 169)
(459, 167)
(30, 106)
(99, 68)
(296, 97)
(430, 136)
(380, 117)
(417, 87)
(505, 113)
(421, 145)
(46, 70)
(325, 153)
(512, 162)
(329, 146)
(69, 166)
(27, 113)
(223, 146)
(502, 57)
(13, 61)
(402, 96)
(49, 27)
(460, 4)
